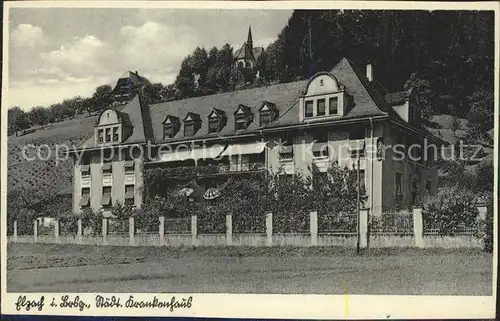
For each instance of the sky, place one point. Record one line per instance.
(58, 53)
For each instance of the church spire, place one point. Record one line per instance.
(249, 40)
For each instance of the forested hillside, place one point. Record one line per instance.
(449, 54)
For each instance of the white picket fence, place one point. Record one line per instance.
(409, 232)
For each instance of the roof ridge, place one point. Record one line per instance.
(230, 92)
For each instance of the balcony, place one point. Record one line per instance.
(213, 170)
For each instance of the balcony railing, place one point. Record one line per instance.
(213, 170)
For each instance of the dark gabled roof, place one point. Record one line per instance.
(194, 116)
(218, 112)
(285, 97)
(245, 52)
(136, 115)
(270, 105)
(173, 119)
(246, 109)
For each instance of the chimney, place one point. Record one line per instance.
(369, 72)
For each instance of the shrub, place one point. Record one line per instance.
(452, 209)
(93, 220)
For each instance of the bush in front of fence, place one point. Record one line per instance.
(451, 210)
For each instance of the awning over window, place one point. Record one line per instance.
(175, 156)
(106, 199)
(107, 166)
(129, 165)
(244, 149)
(207, 153)
(318, 147)
(85, 200)
(286, 149)
(356, 145)
(129, 193)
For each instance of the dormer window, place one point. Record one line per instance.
(171, 126)
(213, 126)
(189, 128)
(240, 122)
(267, 113)
(192, 123)
(216, 121)
(112, 127)
(242, 117)
(323, 97)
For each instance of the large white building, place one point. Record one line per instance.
(332, 116)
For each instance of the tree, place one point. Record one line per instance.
(17, 120)
(38, 116)
(102, 97)
(451, 209)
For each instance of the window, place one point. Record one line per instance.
(129, 166)
(129, 195)
(85, 200)
(188, 128)
(399, 190)
(85, 170)
(115, 134)
(333, 106)
(106, 197)
(321, 150)
(321, 107)
(100, 135)
(241, 122)
(265, 117)
(108, 134)
(213, 125)
(308, 112)
(168, 131)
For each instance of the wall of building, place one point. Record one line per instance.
(409, 169)
(118, 182)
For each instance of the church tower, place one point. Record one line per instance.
(247, 55)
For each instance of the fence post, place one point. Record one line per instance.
(229, 229)
(131, 231)
(363, 228)
(269, 228)
(104, 231)
(35, 231)
(418, 229)
(194, 231)
(482, 212)
(313, 227)
(162, 230)
(56, 230)
(15, 231)
(79, 232)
